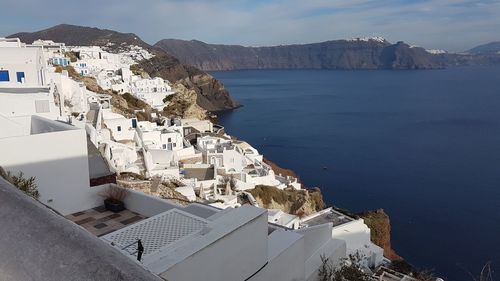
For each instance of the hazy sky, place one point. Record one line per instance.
(454, 25)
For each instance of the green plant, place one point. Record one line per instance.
(26, 185)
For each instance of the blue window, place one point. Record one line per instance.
(4, 75)
(134, 123)
(20, 77)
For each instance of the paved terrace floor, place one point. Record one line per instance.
(99, 221)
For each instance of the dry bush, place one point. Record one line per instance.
(26, 185)
(114, 193)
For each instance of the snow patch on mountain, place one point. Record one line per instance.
(367, 39)
(436, 51)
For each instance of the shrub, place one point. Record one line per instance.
(269, 193)
(26, 185)
(168, 98)
(114, 193)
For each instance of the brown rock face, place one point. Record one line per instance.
(297, 202)
(380, 226)
(183, 104)
(211, 94)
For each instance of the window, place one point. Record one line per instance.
(20, 77)
(134, 123)
(119, 128)
(169, 140)
(164, 146)
(4, 76)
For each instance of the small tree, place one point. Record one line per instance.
(26, 185)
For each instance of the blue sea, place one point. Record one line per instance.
(423, 145)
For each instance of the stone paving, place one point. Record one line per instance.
(99, 221)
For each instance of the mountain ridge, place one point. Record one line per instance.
(487, 48)
(367, 53)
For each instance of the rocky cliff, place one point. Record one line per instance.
(297, 202)
(211, 94)
(338, 54)
(380, 230)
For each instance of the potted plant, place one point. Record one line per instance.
(113, 198)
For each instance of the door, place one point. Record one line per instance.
(20, 77)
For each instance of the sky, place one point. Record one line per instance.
(453, 25)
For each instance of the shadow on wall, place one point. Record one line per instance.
(63, 184)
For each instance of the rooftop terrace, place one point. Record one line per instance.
(326, 216)
(99, 221)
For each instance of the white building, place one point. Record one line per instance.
(10, 42)
(56, 155)
(121, 128)
(152, 91)
(24, 86)
(354, 232)
(281, 218)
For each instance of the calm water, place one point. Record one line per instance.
(423, 145)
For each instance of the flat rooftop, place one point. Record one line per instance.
(327, 216)
(24, 89)
(100, 221)
(200, 174)
(157, 233)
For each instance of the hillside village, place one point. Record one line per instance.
(177, 197)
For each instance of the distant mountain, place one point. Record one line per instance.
(212, 95)
(373, 53)
(486, 49)
(74, 35)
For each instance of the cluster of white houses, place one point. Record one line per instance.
(213, 238)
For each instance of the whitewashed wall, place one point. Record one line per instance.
(356, 234)
(59, 162)
(241, 252)
(286, 258)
